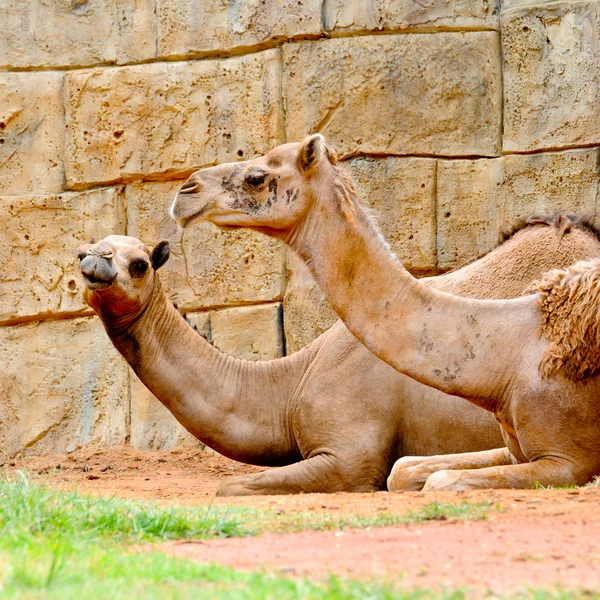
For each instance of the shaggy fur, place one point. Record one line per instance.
(570, 304)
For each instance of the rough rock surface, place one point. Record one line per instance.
(31, 133)
(551, 76)
(39, 237)
(62, 385)
(250, 332)
(76, 33)
(361, 15)
(415, 94)
(131, 122)
(208, 267)
(480, 198)
(188, 27)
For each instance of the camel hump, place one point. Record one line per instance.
(562, 223)
(570, 301)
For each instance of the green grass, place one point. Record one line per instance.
(64, 545)
(28, 511)
(434, 511)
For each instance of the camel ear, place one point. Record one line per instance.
(160, 254)
(311, 152)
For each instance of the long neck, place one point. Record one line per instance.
(451, 344)
(236, 407)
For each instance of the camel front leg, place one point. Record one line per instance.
(410, 473)
(322, 473)
(543, 472)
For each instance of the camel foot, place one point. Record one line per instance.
(238, 486)
(409, 474)
(445, 481)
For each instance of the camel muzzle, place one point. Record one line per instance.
(187, 207)
(98, 272)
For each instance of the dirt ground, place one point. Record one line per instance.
(539, 537)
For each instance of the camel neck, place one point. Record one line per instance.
(236, 407)
(446, 342)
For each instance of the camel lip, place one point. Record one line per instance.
(96, 285)
(185, 220)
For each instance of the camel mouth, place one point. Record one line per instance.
(96, 285)
(98, 272)
(183, 217)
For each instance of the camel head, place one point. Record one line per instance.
(272, 192)
(118, 273)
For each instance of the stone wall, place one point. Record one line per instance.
(455, 117)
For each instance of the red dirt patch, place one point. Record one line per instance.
(542, 537)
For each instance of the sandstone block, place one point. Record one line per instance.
(208, 267)
(190, 28)
(478, 199)
(306, 312)
(39, 237)
(31, 133)
(358, 15)
(251, 332)
(397, 94)
(551, 76)
(131, 122)
(75, 33)
(62, 386)
(402, 193)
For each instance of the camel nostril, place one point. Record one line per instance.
(189, 187)
(98, 269)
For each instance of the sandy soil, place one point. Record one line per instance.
(539, 538)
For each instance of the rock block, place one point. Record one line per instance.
(478, 199)
(132, 122)
(397, 94)
(62, 386)
(358, 15)
(31, 133)
(250, 332)
(39, 237)
(74, 33)
(551, 76)
(306, 312)
(208, 267)
(188, 28)
(402, 193)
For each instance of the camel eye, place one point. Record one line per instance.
(138, 267)
(256, 178)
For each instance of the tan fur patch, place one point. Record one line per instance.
(570, 304)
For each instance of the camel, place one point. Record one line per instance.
(528, 361)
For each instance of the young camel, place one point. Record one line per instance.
(532, 361)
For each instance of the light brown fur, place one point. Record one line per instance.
(570, 304)
(487, 352)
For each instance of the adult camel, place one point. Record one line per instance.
(532, 362)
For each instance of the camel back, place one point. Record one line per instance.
(531, 248)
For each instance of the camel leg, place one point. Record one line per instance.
(321, 473)
(544, 472)
(410, 473)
